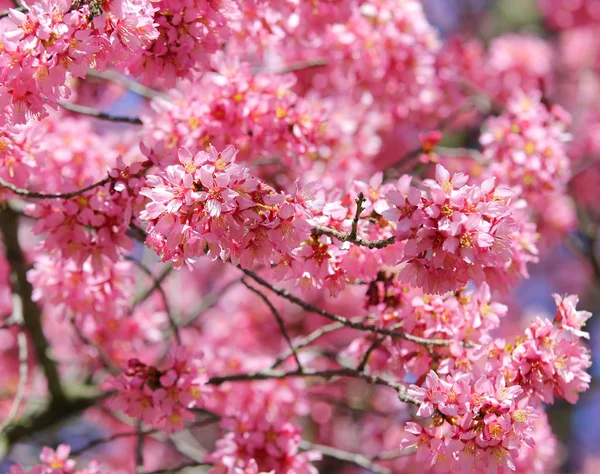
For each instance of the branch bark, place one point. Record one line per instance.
(32, 317)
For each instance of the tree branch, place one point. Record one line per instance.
(352, 458)
(32, 317)
(14, 409)
(329, 373)
(347, 237)
(82, 109)
(345, 321)
(158, 286)
(127, 82)
(35, 195)
(307, 340)
(280, 322)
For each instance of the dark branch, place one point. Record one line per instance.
(81, 109)
(32, 317)
(279, 319)
(352, 458)
(35, 195)
(163, 294)
(345, 321)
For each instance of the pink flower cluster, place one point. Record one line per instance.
(257, 113)
(526, 146)
(58, 462)
(451, 232)
(253, 445)
(93, 224)
(41, 49)
(161, 397)
(209, 204)
(481, 424)
(549, 361)
(189, 32)
(386, 47)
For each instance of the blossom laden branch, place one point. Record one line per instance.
(345, 321)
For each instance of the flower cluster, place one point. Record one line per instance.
(189, 32)
(386, 47)
(58, 462)
(526, 146)
(452, 232)
(161, 397)
(482, 424)
(41, 49)
(209, 204)
(549, 362)
(92, 224)
(258, 114)
(253, 446)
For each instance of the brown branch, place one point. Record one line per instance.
(35, 195)
(32, 317)
(279, 319)
(14, 409)
(307, 340)
(398, 453)
(347, 237)
(83, 110)
(345, 456)
(156, 282)
(172, 322)
(269, 374)
(127, 82)
(301, 66)
(180, 468)
(208, 302)
(139, 449)
(365, 360)
(345, 321)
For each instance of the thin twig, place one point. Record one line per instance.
(345, 321)
(398, 453)
(345, 456)
(347, 237)
(156, 282)
(365, 360)
(307, 340)
(301, 66)
(208, 302)
(81, 109)
(139, 449)
(279, 319)
(129, 434)
(127, 82)
(172, 322)
(269, 374)
(35, 195)
(14, 409)
(103, 357)
(180, 468)
(360, 201)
